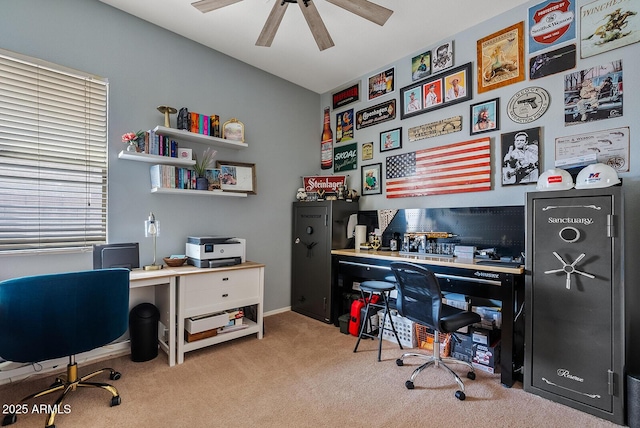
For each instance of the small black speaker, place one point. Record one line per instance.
(633, 401)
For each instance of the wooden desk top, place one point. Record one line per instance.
(396, 256)
(166, 272)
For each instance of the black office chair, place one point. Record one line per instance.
(44, 317)
(420, 300)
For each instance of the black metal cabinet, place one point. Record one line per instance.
(318, 227)
(574, 300)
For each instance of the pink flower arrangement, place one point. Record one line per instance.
(132, 137)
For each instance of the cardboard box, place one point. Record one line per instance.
(206, 322)
(464, 350)
(486, 358)
(491, 317)
(192, 337)
(484, 336)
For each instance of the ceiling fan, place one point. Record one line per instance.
(363, 8)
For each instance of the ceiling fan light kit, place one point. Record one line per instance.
(363, 8)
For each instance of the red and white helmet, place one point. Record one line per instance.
(596, 176)
(554, 179)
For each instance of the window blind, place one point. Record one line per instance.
(53, 156)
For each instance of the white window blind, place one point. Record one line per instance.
(53, 156)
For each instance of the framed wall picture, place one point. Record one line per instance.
(442, 58)
(421, 66)
(344, 126)
(237, 176)
(367, 151)
(233, 129)
(381, 83)
(447, 88)
(371, 183)
(485, 116)
(607, 25)
(500, 59)
(391, 140)
(521, 157)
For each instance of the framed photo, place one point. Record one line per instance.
(501, 58)
(367, 151)
(233, 129)
(607, 25)
(391, 140)
(381, 83)
(447, 88)
(371, 184)
(442, 57)
(237, 176)
(485, 116)
(421, 66)
(213, 175)
(521, 157)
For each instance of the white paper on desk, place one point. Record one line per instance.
(351, 225)
(361, 235)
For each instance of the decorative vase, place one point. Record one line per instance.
(132, 147)
(202, 183)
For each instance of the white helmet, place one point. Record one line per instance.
(596, 175)
(554, 179)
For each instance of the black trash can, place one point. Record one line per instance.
(143, 331)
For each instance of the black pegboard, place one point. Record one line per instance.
(501, 228)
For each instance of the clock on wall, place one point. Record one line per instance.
(528, 104)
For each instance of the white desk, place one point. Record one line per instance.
(187, 291)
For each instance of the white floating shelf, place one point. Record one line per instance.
(155, 159)
(193, 192)
(182, 134)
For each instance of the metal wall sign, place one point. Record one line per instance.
(346, 96)
(377, 114)
(435, 129)
(345, 158)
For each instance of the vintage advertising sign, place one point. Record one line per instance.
(550, 23)
(552, 62)
(328, 183)
(346, 96)
(435, 129)
(345, 158)
(344, 126)
(607, 25)
(610, 147)
(377, 114)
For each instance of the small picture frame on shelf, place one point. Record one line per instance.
(233, 130)
(237, 176)
(213, 176)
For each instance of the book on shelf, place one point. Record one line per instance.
(172, 177)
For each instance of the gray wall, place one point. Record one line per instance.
(552, 123)
(147, 67)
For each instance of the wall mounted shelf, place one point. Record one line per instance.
(155, 159)
(184, 135)
(193, 192)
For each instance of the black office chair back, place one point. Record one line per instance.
(419, 297)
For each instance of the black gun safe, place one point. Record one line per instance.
(575, 349)
(318, 227)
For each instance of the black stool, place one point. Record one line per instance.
(383, 288)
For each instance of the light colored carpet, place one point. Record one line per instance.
(302, 374)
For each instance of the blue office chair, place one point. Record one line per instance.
(58, 315)
(420, 300)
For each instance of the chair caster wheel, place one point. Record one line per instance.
(399, 362)
(115, 375)
(460, 395)
(471, 375)
(409, 384)
(9, 419)
(115, 401)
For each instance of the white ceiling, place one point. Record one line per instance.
(361, 47)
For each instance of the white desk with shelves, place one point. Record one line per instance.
(188, 291)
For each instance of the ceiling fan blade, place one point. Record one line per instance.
(271, 25)
(319, 31)
(209, 5)
(366, 9)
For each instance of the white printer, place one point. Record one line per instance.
(215, 251)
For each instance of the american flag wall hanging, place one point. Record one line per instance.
(454, 168)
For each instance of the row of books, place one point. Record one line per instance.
(199, 123)
(172, 177)
(157, 144)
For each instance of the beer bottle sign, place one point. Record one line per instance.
(326, 148)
